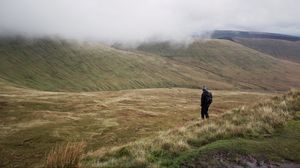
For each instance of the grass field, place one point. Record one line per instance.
(32, 122)
(254, 134)
(281, 149)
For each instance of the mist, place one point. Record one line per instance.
(140, 20)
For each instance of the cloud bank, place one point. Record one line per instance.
(137, 20)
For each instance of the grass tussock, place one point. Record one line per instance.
(66, 155)
(252, 121)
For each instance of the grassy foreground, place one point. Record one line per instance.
(279, 149)
(32, 122)
(252, 122)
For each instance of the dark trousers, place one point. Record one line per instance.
(204, 111)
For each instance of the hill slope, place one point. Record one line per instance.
(233, 62)
(283, 49)
(278, 45)
(58, 65)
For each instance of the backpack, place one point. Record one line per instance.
(209, 98)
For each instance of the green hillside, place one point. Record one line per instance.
(62, 65)
(59, 65)
(233, 62)
(283, 49)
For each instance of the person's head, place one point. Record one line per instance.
(204, 88)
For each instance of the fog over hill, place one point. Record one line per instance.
(118, 83)
(137, 21)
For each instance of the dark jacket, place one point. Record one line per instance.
(206, 98)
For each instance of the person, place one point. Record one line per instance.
(206, 100)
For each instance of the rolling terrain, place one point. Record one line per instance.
(59, 65)
(140, 107)
(233, 62)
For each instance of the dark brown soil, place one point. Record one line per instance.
(228, 160)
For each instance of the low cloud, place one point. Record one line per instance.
(139, 20)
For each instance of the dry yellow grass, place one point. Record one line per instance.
(65, 156)
(250, 121)
(32, 122)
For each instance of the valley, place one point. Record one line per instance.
(55, 91)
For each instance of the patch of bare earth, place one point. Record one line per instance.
(228, 160)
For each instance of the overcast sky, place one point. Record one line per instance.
(130, 20)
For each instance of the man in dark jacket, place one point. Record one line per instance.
(206, 100)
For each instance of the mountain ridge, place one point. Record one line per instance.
(62, 65)
(230, 34)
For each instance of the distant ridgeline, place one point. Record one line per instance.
(277, 45)
(230, 34)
